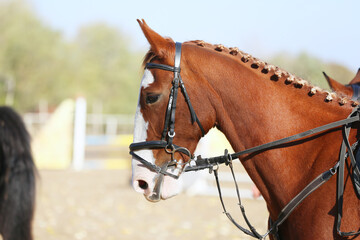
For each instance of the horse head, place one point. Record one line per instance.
(163, 147)
(225, 87)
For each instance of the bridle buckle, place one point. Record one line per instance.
(171, 135)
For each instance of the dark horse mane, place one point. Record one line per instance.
(17, 178)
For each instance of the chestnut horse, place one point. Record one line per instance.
(17, 178)
(351, 90)
(252, 103)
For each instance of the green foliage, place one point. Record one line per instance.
(97, 64)
(112, 71)
(311, 68)
(29, 53)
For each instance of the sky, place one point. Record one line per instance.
(327, 29)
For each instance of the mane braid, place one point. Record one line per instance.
(277, 73)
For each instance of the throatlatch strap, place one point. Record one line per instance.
(194, 118)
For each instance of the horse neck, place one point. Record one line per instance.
(252, 109)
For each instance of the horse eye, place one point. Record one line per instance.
(152, 98)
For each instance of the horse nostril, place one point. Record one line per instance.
(142, 184)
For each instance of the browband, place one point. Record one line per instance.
(162, 67)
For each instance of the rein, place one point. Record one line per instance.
(168, 135)
(346, 151)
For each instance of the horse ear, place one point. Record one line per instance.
(336, 86)
(332, 83)
(356, 78)
(159, 45)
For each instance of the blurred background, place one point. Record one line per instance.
(73, 69)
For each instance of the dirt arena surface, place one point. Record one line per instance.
(100, 204)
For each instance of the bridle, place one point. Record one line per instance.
(169, 147)
(168, 133)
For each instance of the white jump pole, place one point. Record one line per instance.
(79, 134)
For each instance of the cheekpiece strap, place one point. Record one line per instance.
(177, 58)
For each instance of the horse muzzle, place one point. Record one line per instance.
(155, 185)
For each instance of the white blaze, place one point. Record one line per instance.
(140, 126)
(171, 186)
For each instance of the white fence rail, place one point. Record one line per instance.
(96, 124)
(103, 126)
(109, 124)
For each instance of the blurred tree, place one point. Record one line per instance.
(98, 64)
(109, 70)
(30, 53)
(339, 72)
(311, 68)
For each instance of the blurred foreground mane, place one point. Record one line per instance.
(17, 178)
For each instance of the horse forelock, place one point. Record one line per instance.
(149, 56)
(276, 73)
(152, 54)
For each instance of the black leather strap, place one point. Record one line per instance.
(345, 152)
(244, 230)
(169, 126)
(345, 146)
(157, 145)
(171, 132)
(153, 167)
(162, 67)
(208, 162)
(167, 114)
(194, 118)
(311, 187)
(177, 59)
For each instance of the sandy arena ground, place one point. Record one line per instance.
(100, 204)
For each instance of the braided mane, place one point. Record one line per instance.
(275, 73)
